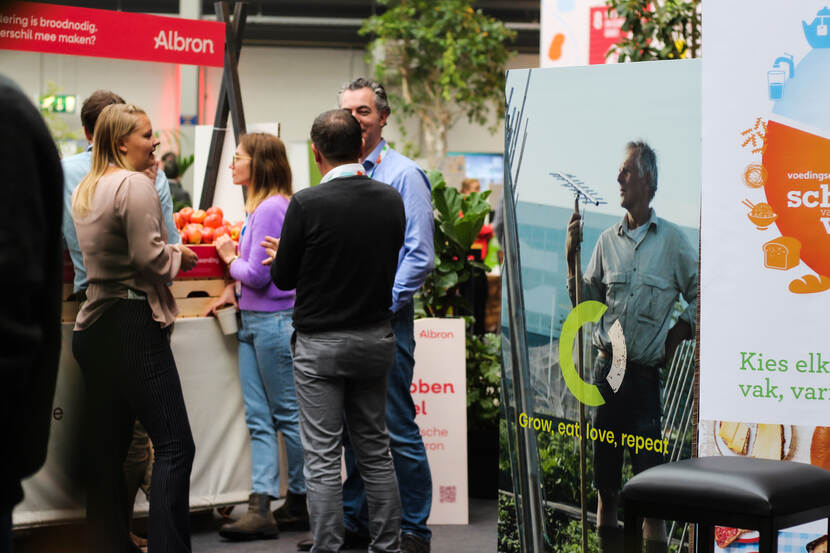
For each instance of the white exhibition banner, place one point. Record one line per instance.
(576, 32)
(765, 235)
(439, 391)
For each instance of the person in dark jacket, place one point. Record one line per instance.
(30, 272)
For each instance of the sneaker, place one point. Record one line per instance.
(410, 543)
(257, 523)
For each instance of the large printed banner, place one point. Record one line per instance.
(577, 32)
(52, 29)
(765, 276)
(600, 131)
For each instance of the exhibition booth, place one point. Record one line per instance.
(205, 356)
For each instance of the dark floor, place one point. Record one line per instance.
(478, 536)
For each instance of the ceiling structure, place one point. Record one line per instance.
(326, 23)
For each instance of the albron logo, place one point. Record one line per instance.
(429, 333)
(172, 40)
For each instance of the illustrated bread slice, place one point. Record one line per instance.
(782, 253)
(820, 447)
(818, 545)
(724, 535)
(740, 442)
(769, 442)
(727, 430)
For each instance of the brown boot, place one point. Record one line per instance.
(293, 514)
(257, 523)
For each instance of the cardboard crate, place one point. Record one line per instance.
(194, 296)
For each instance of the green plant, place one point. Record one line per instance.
(508, 531)
(483, 380)
(440, 60)
(665, 30)
(63, 136)
(458, 220)
(173, 138)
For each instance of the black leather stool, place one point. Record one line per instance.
(739, 492)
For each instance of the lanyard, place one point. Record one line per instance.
(381, 155)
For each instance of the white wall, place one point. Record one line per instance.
(288, 85)
(151, 86)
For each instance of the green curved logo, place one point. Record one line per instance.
(586, 312)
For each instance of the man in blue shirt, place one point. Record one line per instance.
(367, 102)
(75, 169)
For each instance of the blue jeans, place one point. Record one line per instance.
(408, 451)
(266, 374)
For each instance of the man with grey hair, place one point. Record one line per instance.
(638, 269)
(367, 102)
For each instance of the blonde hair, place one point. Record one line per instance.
(115, 123)
(270, 171)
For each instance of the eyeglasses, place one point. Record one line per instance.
(238, 157)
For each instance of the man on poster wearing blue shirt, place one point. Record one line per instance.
(367, 102)
(75, 169)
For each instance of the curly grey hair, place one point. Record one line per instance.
(381, 101)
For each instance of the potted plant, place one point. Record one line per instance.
(458, 220)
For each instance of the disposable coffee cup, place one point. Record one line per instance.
(227, 319)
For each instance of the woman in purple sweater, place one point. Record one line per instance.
(265, 367)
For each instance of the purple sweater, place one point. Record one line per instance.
(258, 292)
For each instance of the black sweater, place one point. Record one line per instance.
(339, 248)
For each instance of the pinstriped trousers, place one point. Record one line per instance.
(129, 373)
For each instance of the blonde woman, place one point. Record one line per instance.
(121, 335)
(265, 367)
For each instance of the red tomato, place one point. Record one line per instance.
(198, 216)
(235, 232)
(179, 218)
(193, 235)
(207, 235)
(186, 213)
(213, 220)
(217, 210)
(219, 231)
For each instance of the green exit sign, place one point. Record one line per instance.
(58, 103)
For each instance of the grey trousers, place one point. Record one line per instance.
(340, 376)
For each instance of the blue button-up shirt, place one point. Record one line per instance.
(417, 256)
(75, 169)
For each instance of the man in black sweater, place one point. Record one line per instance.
(339, 249)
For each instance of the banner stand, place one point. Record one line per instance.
(230, 97)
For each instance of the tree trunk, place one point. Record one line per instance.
(435, 141)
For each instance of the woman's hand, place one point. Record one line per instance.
(226, 248)
(189, 257)
(271, 246)
(227, 297)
